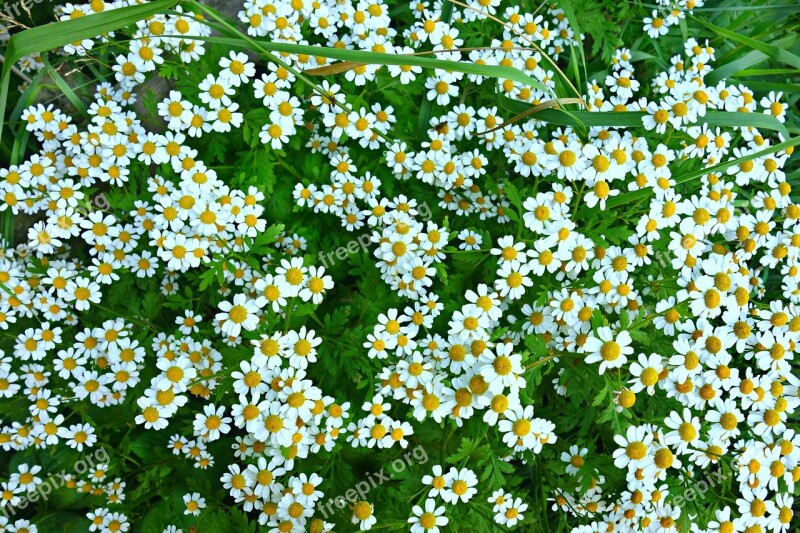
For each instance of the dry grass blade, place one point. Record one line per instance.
(344, 66)
(550, 104)
(336, 68)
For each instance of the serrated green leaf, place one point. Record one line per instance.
(465, 450)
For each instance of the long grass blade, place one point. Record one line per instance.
(753, 57)
(631, 119)
(64, 87)
(770, 50)
(377, 58)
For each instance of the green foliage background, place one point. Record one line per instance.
(752, 39)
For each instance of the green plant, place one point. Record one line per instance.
(467, 266)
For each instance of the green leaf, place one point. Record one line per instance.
(536, 345)
(424, 117)
(566, 6)
(772, 51)
(738, 120)
(633, 119)
(258, 167)
(640, 337)
(151, 305)
(469, 258)
(727, 70)
(214, 272)
(624, 319)
(157, 515)
(512, 193)
(148, 441)
(441, 272)
(304, 309)
(269, 236)
(475, 523)
(493, 471)
(599, 399)
(76, 102)
(61, 521)
(465, 450)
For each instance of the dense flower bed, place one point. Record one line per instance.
(556, 301)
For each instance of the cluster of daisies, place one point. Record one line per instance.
(692, 270)
(27, 480)
(454, 487)
(668, 13)
(283, 417)
(180, 222)
(456, 173)
(728, 371)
